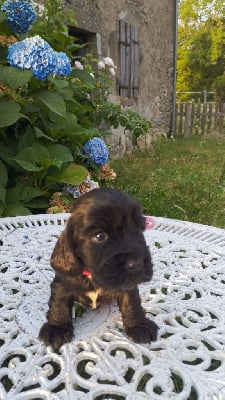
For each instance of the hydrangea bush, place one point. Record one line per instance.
(52, 106)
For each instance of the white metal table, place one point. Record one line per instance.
(186, 298)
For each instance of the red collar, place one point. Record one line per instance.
(86, 272)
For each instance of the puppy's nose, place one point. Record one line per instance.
(134, 264)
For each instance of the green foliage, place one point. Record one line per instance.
(219, 88)
(44, 124)
(113, 115)
(201, 44)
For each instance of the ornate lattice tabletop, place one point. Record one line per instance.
(186, 298)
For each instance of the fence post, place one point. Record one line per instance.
(203, 118)
(181, 113)
(221, 114)
(187, 124)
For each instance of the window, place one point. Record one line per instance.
(129, 59)
(84, 38)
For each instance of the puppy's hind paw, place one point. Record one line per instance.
(145, 332)
(56, 335)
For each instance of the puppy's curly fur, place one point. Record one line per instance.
(103, 235)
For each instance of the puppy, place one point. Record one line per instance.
(100, 255)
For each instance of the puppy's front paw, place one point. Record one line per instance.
(56, 336)
(145, 332)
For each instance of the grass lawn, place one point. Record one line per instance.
(182, 179)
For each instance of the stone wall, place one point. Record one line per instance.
(156, 23)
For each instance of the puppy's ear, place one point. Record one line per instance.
(63, 260)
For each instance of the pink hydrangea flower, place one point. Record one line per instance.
(108, 61)
(78, 65)
(101, 65)
(112, 71)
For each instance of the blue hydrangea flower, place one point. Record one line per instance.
(18, 55)
(43, 63)
(77, 190)
(72, 189)
(20, 15)
(96, 150)
(33, 53)
(36, 54)
(63, 65)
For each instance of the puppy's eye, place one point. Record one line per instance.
(100, 237)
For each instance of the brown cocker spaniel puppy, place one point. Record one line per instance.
(100, 255)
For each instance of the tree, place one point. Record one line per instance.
(201, 44)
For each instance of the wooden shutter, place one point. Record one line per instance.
(129, 59)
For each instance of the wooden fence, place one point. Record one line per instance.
(199, 118)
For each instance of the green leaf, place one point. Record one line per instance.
(3, 174)
(28, 193)
(7, 152)
(12, 194)
(3, 55)
(1, 208)
(28, 166)
(30, 108)
(38, 203)
(59, 83)
(59, 154)
(24, 194)
(64, 127)
(2, 194)
(9, 112)
(14, 77)
(2, 16)
(15, 209)
(40, 134)
(27, 139)
(52, 100)
(38, 157)
(4, 27)
(84, 76)
(72, 175)
(67, 93)
(30, 158)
